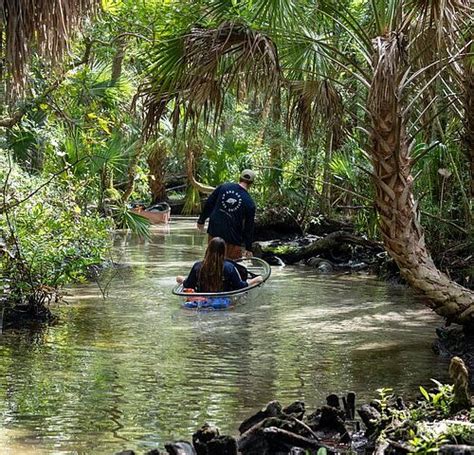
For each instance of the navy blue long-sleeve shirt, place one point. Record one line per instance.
(231, 277)
(231, 213)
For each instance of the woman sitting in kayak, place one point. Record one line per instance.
(215, 273)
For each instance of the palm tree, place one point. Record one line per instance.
(233, 55)
(388, 108)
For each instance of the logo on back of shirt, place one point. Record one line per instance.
(231, 200)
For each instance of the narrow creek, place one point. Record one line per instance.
(136, 370)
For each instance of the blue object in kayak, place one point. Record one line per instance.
(209, 303)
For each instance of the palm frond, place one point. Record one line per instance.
(193, 73)
(278, 14)
(314, 100)
(436, 28)
(130, 220)
(443, 17)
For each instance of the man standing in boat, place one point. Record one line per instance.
(231, 213)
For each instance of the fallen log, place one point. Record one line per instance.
(291, 252)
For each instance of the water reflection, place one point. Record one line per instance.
(136, 370)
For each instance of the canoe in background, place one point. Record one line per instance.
(156, 214)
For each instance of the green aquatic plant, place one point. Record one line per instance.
(283, 249)
(424, 444)
(385, 395)
(428, 437)
(441, 400)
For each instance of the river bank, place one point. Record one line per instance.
(335, 246)
(440, 420)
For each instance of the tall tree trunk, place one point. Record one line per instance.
(156, 179)
(326, 189)
(275, 144)
(192, 202)
(398, 210)
(469, 116)
(132, 171)
(191, 170)
(117, 61)
(106, 183)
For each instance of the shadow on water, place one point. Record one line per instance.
(135, 370)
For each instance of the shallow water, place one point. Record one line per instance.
(136, 370)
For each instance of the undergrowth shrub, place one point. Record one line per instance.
(47, 241)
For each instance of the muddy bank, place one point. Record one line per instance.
(440, 420)
(327, 246)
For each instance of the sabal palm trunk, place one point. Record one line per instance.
(469, 117)
(157, 166)
(132, 171)
(402, 233)
(326, 190)
(192, 204)
(275, 144)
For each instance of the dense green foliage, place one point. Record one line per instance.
(301, 124)
(47, 240)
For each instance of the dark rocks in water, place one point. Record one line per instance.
(296, 409)
(370, 416)
(208, 441)
(202, 438)
(180, 448)
(329, 421)
(222, 445)
(376, 405)
(272, 409)
(285, 431)
(338, 251)
(349, 405)
(251, 441)
(281, 440)
(321, 265)
(332, 420)
(274, 435)
(333, 401)
(400, 404)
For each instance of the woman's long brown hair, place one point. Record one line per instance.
(211, 275)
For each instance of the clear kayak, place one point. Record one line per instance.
(223, 300)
